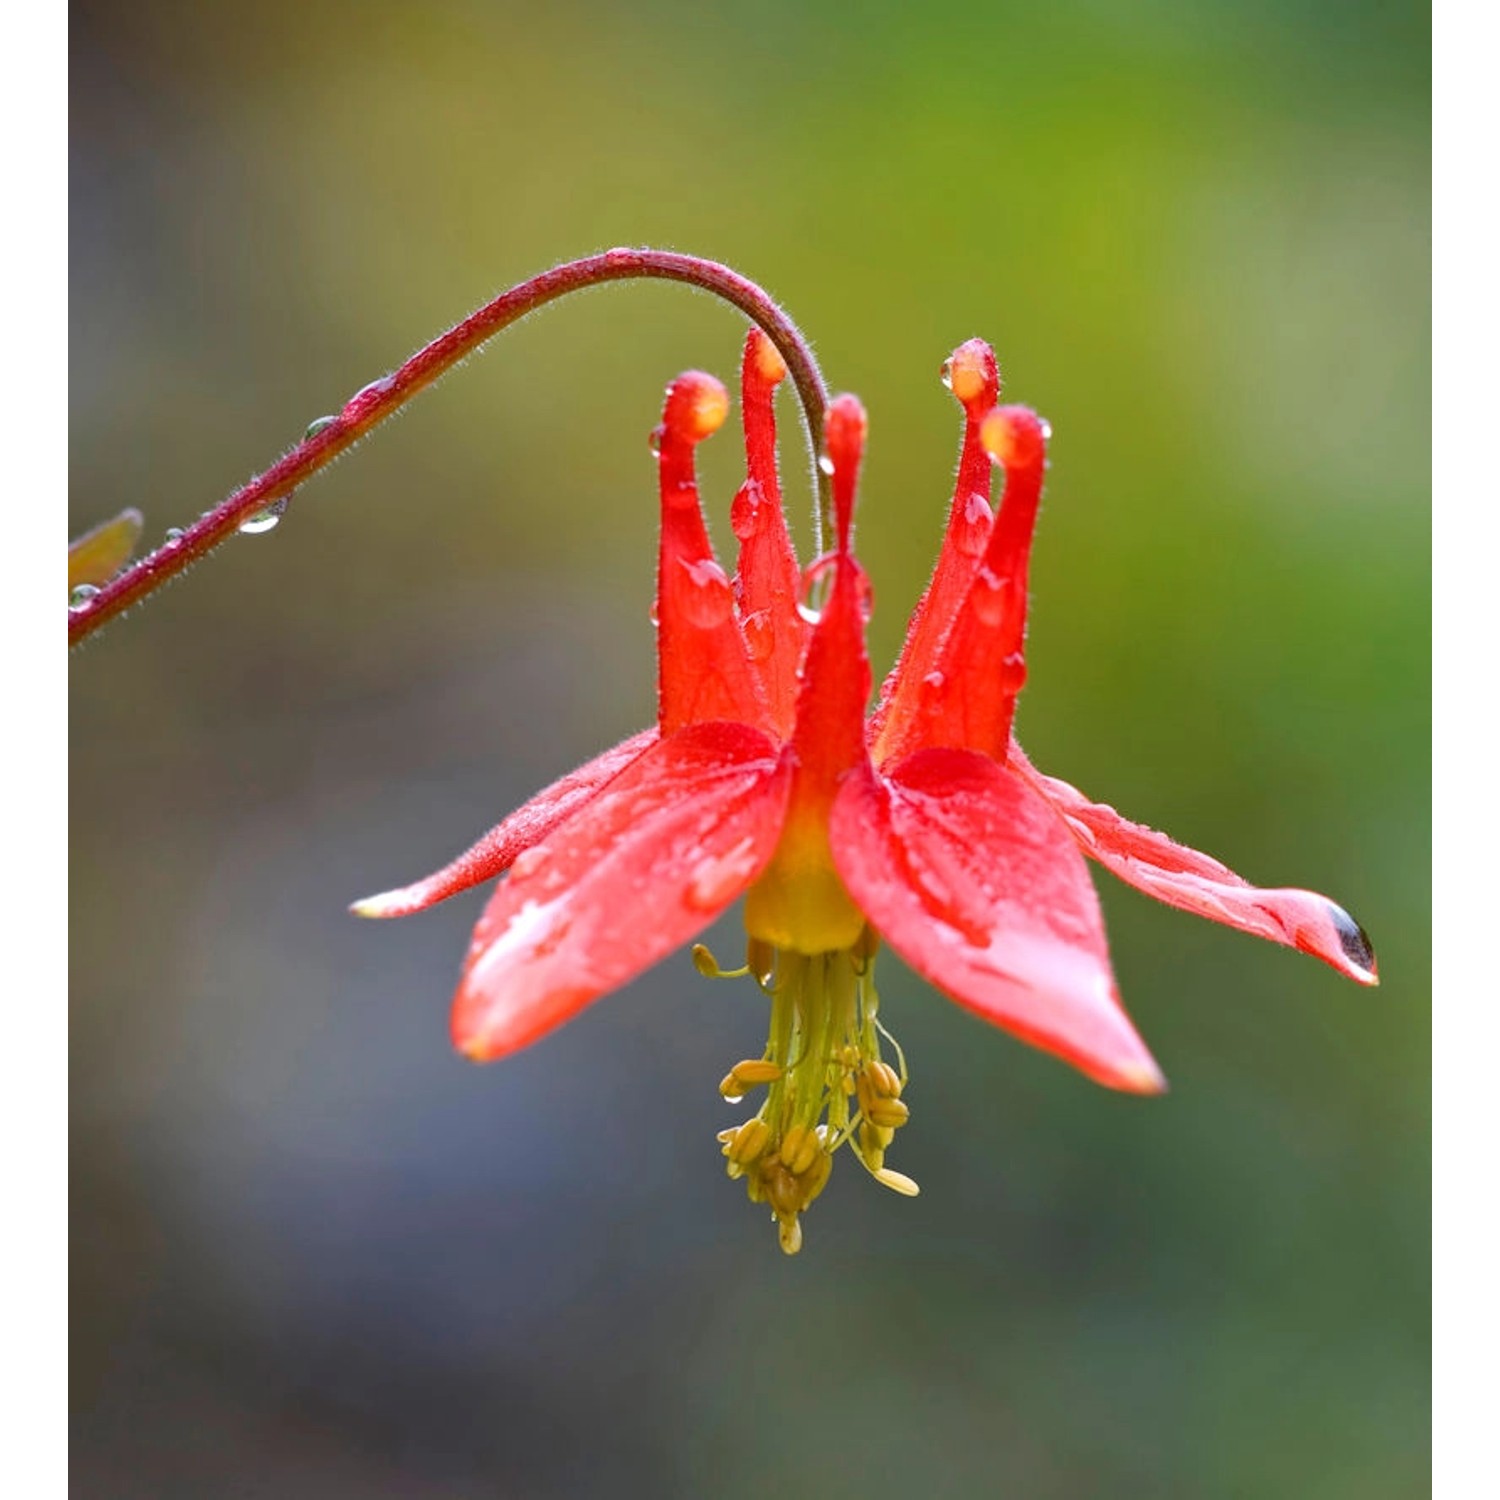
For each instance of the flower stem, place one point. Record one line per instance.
(378, 400)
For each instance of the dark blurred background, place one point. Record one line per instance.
(315, 1253)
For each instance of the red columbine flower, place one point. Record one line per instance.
(926, 827)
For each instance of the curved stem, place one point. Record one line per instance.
(376, 401)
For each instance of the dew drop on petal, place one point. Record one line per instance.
(947, 373)
(815, 581)
(988, 596)
(747, 512)
(653, 441)
(1353, 939)
(1013, 672)
(528, 862)
(265, 520)
(709, 600)
(760, 635)
(718, 879)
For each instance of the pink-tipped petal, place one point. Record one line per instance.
(974, 880)
(499, 849)
(1184, 878)
(648, 864)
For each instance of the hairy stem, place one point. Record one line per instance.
(376, 401)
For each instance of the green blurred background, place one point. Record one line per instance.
(316, 1254)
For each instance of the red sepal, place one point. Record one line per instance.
(974, 880)
(1184, 878)
(646, 866)
(506, 841)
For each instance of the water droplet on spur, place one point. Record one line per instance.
(265, 520)
(80, 594)
(317, 425)
(1353, 939)
(709, 599)
(825, 464)
(174, 535)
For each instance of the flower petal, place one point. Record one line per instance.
(648, 864)
(499, 848)
(703, 663)
(974, 378)
(967, 700)
(973, 879)
(767, 579)
(1184, 878)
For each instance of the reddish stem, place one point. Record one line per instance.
(376, 401)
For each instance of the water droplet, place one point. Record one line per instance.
(265, 520)
(317, 425)
(528, 862)
(80, 594)
(654, 614)
(719, 879)
(1046, 430)
(365, 397)
(988, 596)
(653, 441)
(816, 580)
(1013, 673)
(825, 464)
(974, 534)
(946, 373)
(1353, 939)
(760, 635)
(174, 535)
(708, 601)
(934, 681)
(733, 1098)
(747, 512)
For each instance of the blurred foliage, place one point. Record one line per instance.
(317, 1254)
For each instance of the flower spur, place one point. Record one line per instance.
(925, 827)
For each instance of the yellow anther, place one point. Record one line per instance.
(705, 963)
(889, 1113)
(782, 1190)
(816, 1178)
(799, 1148)
(884, 1079)
(725, 1136)
(897, 1182)
(749, 1141)
(756, 1070)
(789, 1232)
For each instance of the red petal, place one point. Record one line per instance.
(973, 879)
(768, 580)
(498, 849)
(968, 699)
(703, 664)
(648, 864)
(974, 378)
(1182, 877)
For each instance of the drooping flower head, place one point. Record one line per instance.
(923, 827)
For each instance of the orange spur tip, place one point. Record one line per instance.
(1014, 436)
(696, 406)
(972, 374)
(765, 357)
